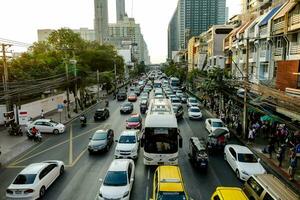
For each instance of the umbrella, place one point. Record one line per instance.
(266, 118)
(218, 132)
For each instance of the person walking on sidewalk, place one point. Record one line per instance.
(42, 114)
(293, 165)
(251, 136)
(271, 147)
(280, 154)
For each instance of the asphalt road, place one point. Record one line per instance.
(83, 171)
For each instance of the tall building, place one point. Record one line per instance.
(173, 36)
(101, 20)
(85, 33)
(194, 17)
(120, 5)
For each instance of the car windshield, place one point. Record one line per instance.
(115, 178)
(217, 124)
(127, 105)
(53, 122)
(195, 110)
(193, 101)
(99, 136)
(24, 179)
(171, 196)
(247, 158)
(132, 95)
(133, 119)
(175, 101)
(99, 111)
(127, 139)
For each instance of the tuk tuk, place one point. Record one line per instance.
(198, 153)
(143, 106)
(217, 140)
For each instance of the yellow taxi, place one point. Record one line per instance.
(229, 193)
(168, 184)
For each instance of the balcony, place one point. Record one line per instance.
(263, 32)
(294, 22)
(278, 27)
(295, 49)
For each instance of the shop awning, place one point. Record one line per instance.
(287, 7)
(269, 15)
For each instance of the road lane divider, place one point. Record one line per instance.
(28, 152)
(78, 157)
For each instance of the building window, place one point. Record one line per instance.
(295, 37)
(279, 43)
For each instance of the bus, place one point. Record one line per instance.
(174, 82)
(157, 84)
(161, 137)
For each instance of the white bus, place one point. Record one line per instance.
(161, 139)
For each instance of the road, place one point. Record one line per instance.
(83, 171)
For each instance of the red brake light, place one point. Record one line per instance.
(29, 191)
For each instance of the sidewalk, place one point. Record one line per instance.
(270, 163)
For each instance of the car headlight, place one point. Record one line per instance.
(126, 194)
(244, 172)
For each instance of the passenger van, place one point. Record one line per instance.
(229, 193)
(168, 183)
(267, 186)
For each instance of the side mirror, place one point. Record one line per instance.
(100, 180)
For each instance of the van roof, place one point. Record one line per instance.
(231, 193)
(170, 179)
(275, 187)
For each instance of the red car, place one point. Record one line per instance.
(132, 97)
(134, 122)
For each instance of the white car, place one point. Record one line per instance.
(194, 113)
(192, 101)
(128, 144)
(175, 101)
(47, 126)
(118, 180)
(242, 161)
(211, 124)
(33, 181)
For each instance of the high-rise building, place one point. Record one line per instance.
(120, 5)
(101, 20)
(85, 33)
(173, 36)
(194, 17)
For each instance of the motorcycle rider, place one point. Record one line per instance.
(82, 119)
(34, 131)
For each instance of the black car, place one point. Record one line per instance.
(198, 152)
(101, 140)
(101, 114)
(122, 95)
(178, 110)
(126, 107)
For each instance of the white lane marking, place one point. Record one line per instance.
(147, 192)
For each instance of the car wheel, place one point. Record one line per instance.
(61, 170)
(55, 132)
(42, 191)
(237, 174)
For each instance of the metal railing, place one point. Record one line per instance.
(279, 26)
(278, 51)
(295, 19)
(295, 49)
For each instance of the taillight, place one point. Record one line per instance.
(9, 191)
(28, 191)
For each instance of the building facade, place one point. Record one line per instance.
(120, 8)
(85, 33)
(101, 20)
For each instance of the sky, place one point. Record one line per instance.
(22, 18)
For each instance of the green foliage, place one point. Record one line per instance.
(177, 71)
(214, 81)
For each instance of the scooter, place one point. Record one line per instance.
(17, 131)
(82, 119)
(37, 137)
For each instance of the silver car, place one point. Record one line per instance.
(101, 140)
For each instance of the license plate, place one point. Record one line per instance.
(203, 164)
(18, 192)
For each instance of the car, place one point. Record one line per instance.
(121, 95)
(47, 126)
(194, 113)
(242, 161)
(159, 96)
(172, 96)
(101, 114)
(126, 107)
(168, 93)
(134, 121)
(192, 101)
(132, 97)
(178, 110)
(101, 140)
(147, 88)
(33, 181)
(118, 181)
(143, 98)
(212, 124)
(132, 88)
(128, 144)
(175, 101)
(137, 91)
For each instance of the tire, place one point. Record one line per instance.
(42, 191)
(55, 132)
(237, 174)
(61, 170)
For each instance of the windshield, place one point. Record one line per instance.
(195, 110)
(127, 105)
(127, 139)
(115, 178)
(99, 136)
(248, 158)
(24, 179)
(133, 119)
(171, 196)
(175, 101)
(161, 140)
(193, 101)
(217, 124)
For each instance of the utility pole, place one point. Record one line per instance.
(98, 89)
(5, 78)
(246, 81)
(68, 92)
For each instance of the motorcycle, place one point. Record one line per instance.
(82, 119)
(37, 137)
(17, 131)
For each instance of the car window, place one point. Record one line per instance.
(127, 139)
(99, 136)
(24, 179)
(115, 178)
(133, 119)
(217, 124)
(232, 152)
(171, 196)
(38, 123)
(268, 197)
(47, 124)
(53, 122)
(43, 173)
(255, 186)
(194, 110)
(216, 197)
(248, 158)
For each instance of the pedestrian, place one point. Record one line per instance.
(42, 114)
(251, 136)
(293, 165)
(239, 128)
(280, 154)
(271, 148)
